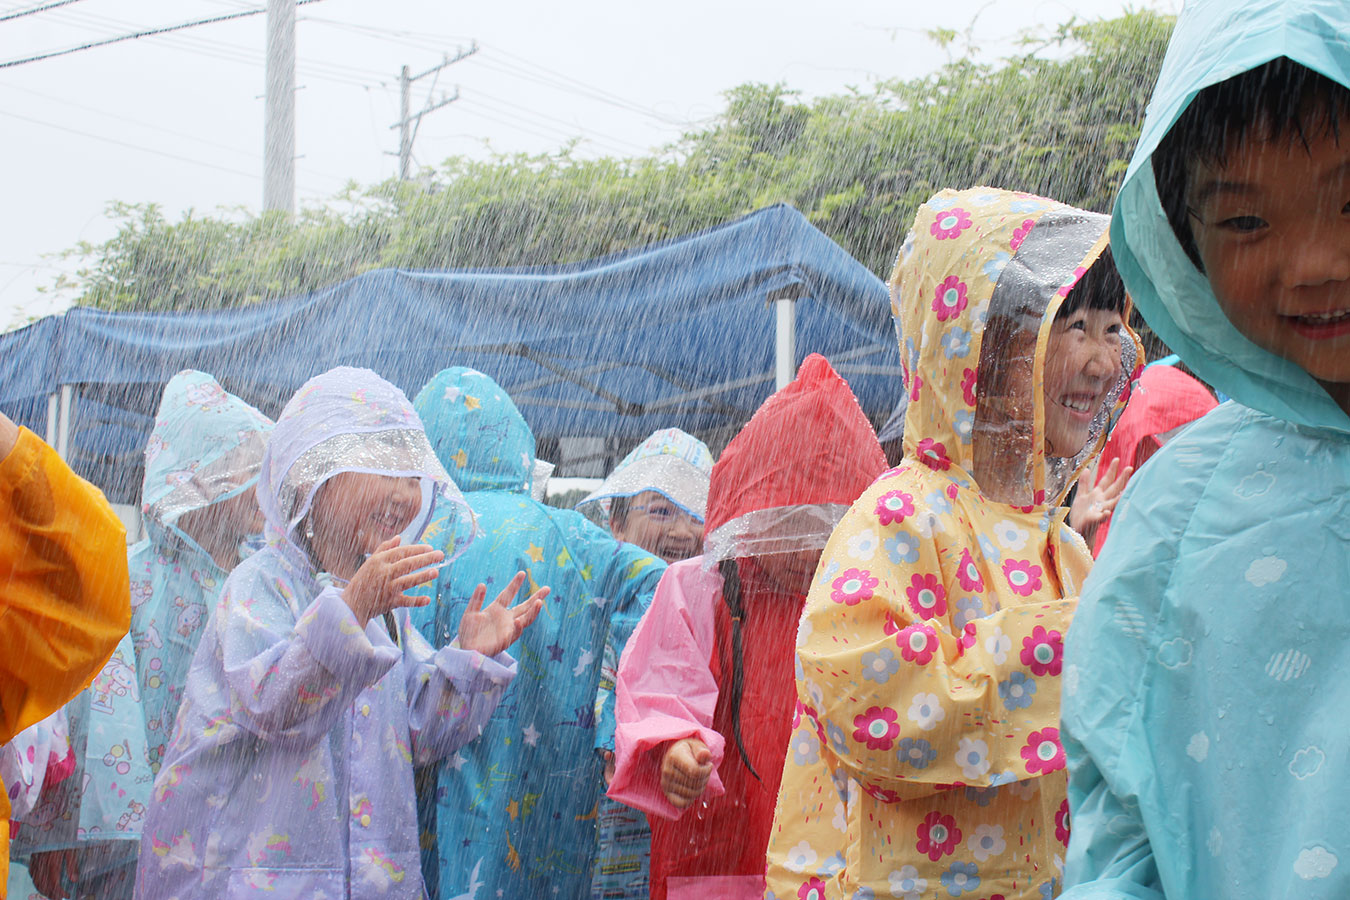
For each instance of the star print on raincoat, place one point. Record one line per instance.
(925, 759)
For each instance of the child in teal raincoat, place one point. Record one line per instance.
(1205, 694)
(516, 810)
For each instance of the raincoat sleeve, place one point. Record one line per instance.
(1108, 657)
(66, 601)
(451, 694)
(290, 678)
(628, 582)
(924, 710)
(666, 689)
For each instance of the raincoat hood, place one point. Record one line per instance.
(788, 477)
(672, 463)
(1215, 40)
(347, 420)
(986, 262)
(206, 446)
(478, 433)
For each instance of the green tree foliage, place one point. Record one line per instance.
(1059, 120)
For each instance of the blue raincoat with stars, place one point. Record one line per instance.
(516, 810)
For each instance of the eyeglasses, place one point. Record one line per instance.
(665, 514)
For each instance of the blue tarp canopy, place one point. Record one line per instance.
(679, 333)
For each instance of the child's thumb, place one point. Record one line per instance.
(702, 756)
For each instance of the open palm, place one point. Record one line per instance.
(491, 629)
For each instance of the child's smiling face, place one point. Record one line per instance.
(1272, 226)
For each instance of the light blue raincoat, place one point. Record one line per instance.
(290, 768)
(1205, 687)
(516, 810)
(206, 446)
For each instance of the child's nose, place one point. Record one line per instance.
(1318, 259)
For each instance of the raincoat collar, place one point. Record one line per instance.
(206, 447)
(346, 420)
(478, 433)
(1215, 40)
(987, 261)
(786, 479)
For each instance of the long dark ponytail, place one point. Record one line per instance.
(731, 595)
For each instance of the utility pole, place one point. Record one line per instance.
(279, 127)
(407, 125)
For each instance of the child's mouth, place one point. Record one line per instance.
(1321, 326)
(1082, 407)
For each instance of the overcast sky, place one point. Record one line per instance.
(178, 119)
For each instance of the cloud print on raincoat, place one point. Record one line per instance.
(516, 811)
(206, 447)
(1205, 688)
(926, 759)
(290, 768)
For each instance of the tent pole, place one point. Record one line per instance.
(785, 341)
(63, 422)
(50, 434)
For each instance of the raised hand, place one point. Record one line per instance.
(491, 629)
(685, 770)
(1093, 505)
(379, 584)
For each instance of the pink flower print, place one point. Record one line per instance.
(885, 795)
(968, 637)
(1077, 274)
(927, 596)
(1043, 651)
(915, 386)
(968, 574)
(938, 836)
(968, 387)
(949, 224)
(1024, 576)
(949, 298)
(1062, 823)
(1042, 752)
(894, 506)
(917, 643)
(933, 454)
(877, 728)
(853, 587)
(1020, 233)
(813, 889)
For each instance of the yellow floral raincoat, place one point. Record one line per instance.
(926, 761)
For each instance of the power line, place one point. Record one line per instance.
(150, 32)
(36, 9)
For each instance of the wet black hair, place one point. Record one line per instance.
(731, 596)
(1278, 99)
(618, 511)
(1099, 288)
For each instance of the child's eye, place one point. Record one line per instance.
(1243, 224)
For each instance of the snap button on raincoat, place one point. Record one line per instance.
(1205, 692)
(925, 760)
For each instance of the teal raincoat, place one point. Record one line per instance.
(1204, 689)
(516, 810)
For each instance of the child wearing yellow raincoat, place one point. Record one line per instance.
(926, 761)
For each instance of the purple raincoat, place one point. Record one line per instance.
(290, 768)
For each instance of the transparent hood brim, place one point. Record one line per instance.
(775, 529)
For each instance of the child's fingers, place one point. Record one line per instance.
(509, 592)
(427, 557)
(400, 553)
(476, 599)
(412, 580)
(525, 613)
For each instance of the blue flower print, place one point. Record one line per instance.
(805, 748)
(840, 782)
(880, 665)
(912, 354)
(968, 609)
(1025, 206)
(838, 741)
(917, 752)
(937, 502)
(1002, 778)
(961, 878)
(982, 199)
(1049, 889)
(902, 548)
(955, 342)
(1018, 691)
(981, 796)
(907, 247)
(994, 268)
(833, 863)
(863, 893)
(1044, 523)
(964, 420)
(938, 204)
(990, 550)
